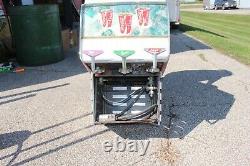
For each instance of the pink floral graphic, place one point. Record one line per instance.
(125, 21)
(107, 18)
(143, 16)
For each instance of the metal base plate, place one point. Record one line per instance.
(125, 71)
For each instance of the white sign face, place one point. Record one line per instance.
(126, 20)
(132, 26)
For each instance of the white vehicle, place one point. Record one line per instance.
(174, 12)
(208, 4)
(125, 45)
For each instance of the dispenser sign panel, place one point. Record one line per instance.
(132, 20)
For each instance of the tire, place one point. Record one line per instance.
(174, 26)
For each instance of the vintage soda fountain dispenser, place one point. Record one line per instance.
(125, 45)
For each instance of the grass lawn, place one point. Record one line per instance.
(227, 33)
(191, 6)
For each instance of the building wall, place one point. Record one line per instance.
(188, 1)
(243, 3)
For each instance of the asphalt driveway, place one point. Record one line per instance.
(46, 119)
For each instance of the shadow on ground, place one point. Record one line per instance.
(180, 42)
(27, 94)
(192, 97)
(188, 28)
(17, 139)
(70, 66)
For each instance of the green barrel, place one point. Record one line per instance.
(36, 34)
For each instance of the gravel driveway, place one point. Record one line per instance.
(45, 116)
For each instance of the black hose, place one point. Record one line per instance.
(131, 104)
(123, 100)
(143, 114)
(146, 113)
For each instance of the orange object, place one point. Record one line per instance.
(19, 70)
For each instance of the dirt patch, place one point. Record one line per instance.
(168, 152)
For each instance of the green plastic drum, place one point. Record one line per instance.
(36, 34)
